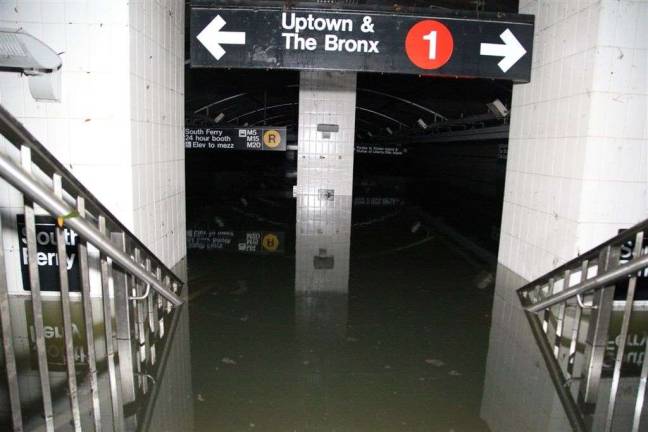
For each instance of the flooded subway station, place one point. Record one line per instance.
(323, 216)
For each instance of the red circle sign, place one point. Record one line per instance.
(429, 44)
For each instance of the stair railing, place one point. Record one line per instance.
(138, 295)
(570, 311)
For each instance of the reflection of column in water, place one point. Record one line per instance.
(515, 367)
(322, 270)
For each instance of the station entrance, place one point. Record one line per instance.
(399, 216)
(349, 269)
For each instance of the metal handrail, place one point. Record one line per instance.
(18, 178)
(19, 136)
(597, 282)
(586, 285)
(618, 263)
(126, 269)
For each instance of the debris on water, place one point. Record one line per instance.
(200, 397)
(242, 288)
(387, 367)
(218, 221)
(229, 361)
(435, 362)
(351, 339)
(244, 318)
(415, 227)
(252, 425)
(454, 373)
(244, 202)
(484, 280)
(305, 362)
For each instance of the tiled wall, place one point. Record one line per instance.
(157, 125)
(88, 131)
(323, 230)
(326, 162)
(518, 392)
(119, 124)
(577, 166)
(322, 254)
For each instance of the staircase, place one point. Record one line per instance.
(581, 316)
(101, 376)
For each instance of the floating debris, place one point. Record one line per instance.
(229, 361)
(484, 280)
(200, 397)
(435, 362)
(351, 339)
(244, 318)
(454, 373)
(242, 288)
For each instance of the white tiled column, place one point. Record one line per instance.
(326, 133)
(324, 195)
(578, 150)
(322, 260)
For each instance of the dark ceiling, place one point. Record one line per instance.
(392, 103)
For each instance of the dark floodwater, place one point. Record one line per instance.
(313, 320)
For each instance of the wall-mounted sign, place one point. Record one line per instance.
(252, 138)
(473, 45)
(249, 242)
(47, 257)
(377, 149)
(633, 355)
(377, 201)
(641, 287)
(54, 335)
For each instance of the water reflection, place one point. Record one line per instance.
(518, 392)
(322, 248)
(386, 332)
(168, 404)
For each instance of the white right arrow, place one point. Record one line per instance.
(511, 51)
(212, 37)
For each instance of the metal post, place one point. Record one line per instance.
(123, 326)
(560, 319)
(68, 335)
(625, 324)
(7, 344)
(88, 319)
(115, 394)
(598, 330)
(37, 303)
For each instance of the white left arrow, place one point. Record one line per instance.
(511, 51)
(212, 37)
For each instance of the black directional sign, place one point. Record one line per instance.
(486, 46)
(247, 138)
